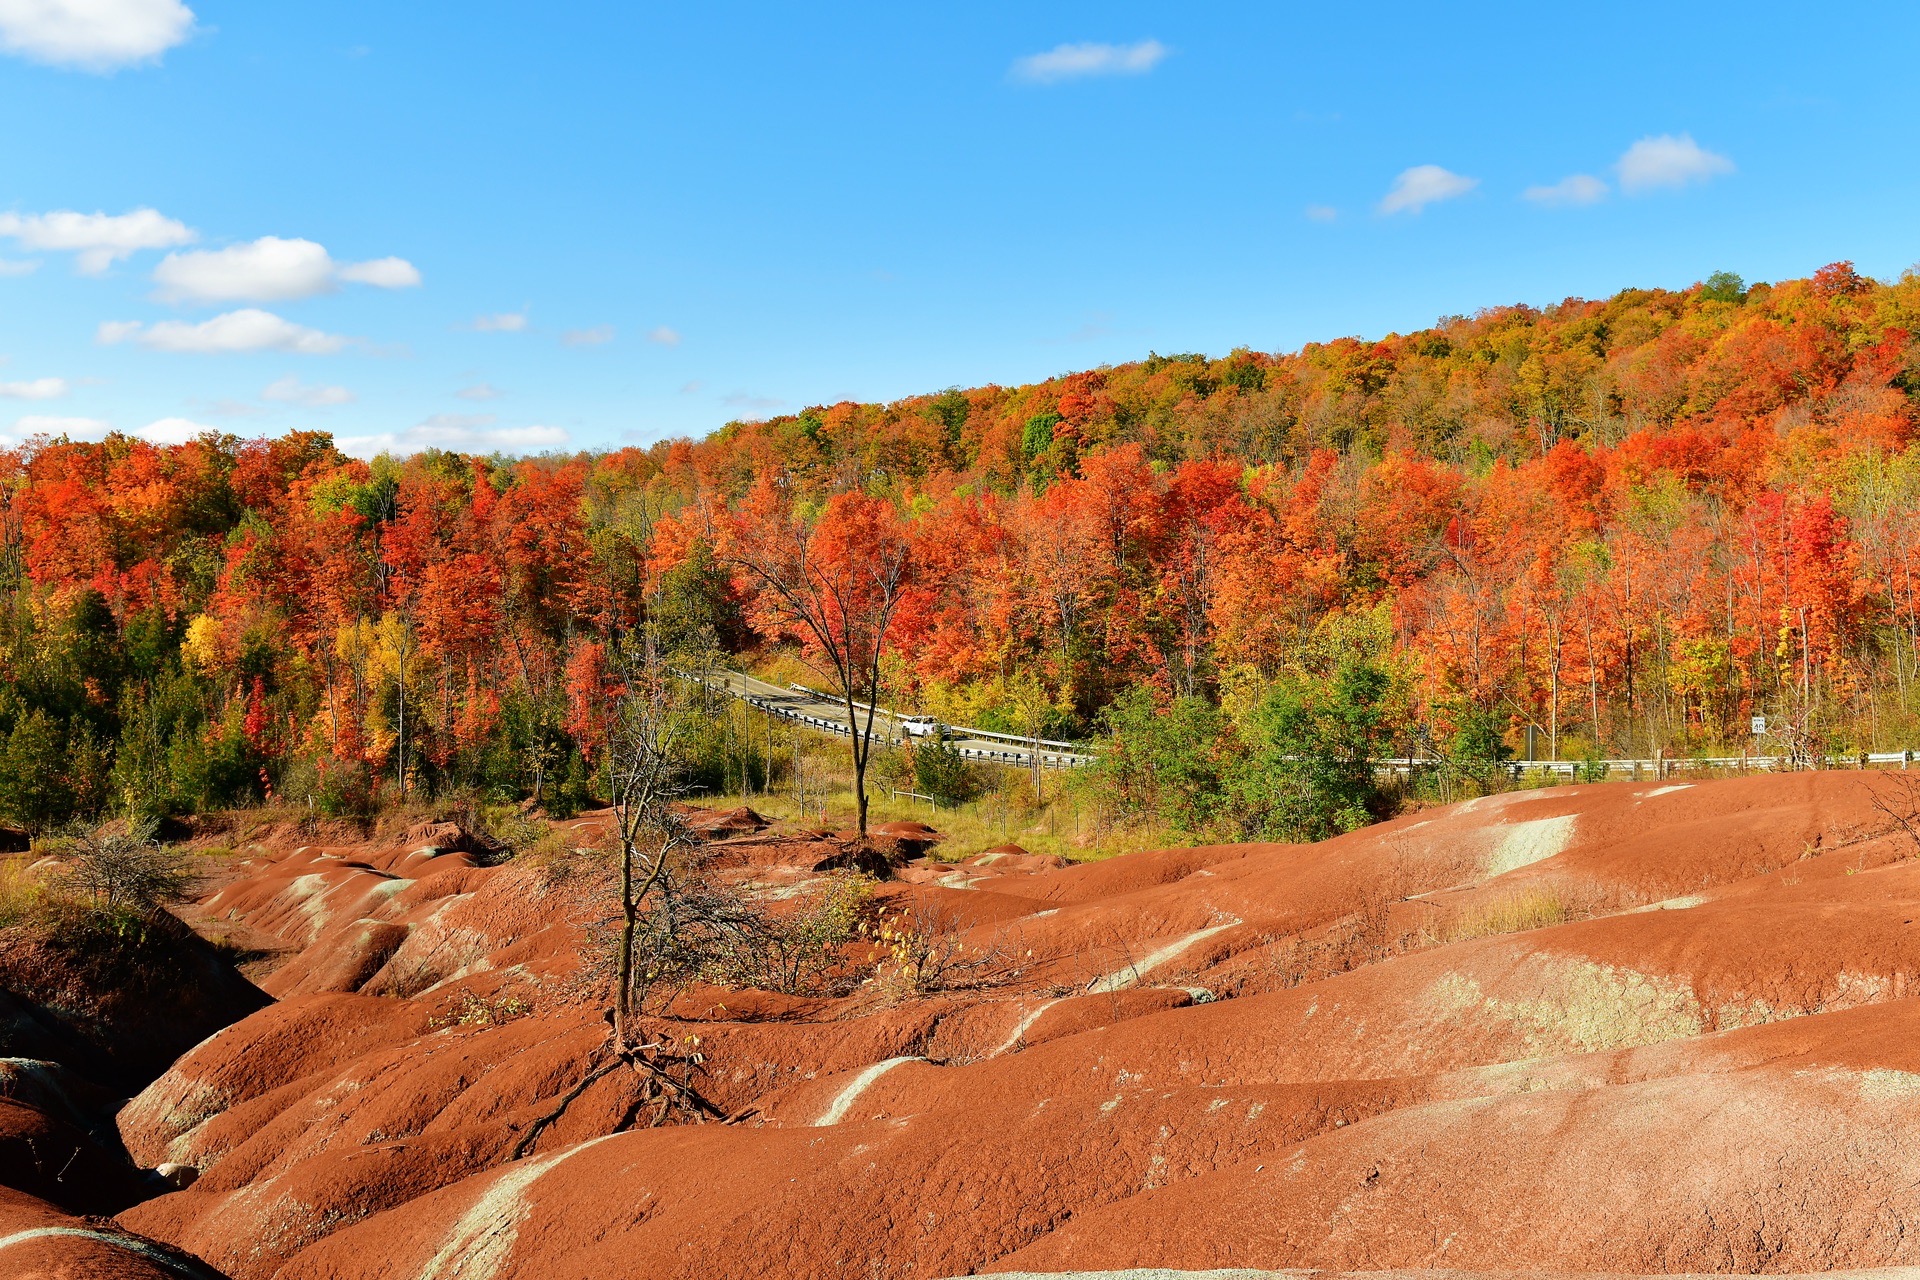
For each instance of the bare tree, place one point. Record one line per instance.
(835, 582)
(646, 726)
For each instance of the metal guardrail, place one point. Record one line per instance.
(1072, 758)
(1048, 759)
(1667, 766)
(961, 730)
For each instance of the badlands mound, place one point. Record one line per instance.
(1632, 1028)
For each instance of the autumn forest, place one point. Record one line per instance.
(1594, 529)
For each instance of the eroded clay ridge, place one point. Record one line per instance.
(1619, 1028)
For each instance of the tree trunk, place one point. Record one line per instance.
(630, 910)
(862, 745)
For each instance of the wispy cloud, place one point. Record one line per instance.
(290, 390)
(93, 35)
(1668, 160)
(1575, 189)
(598, 335)
(42, 425)
(382, 273)
(18, 266)
(500, 322)
(245, 330)
(1422, 185)
(97, 240)
(1321, 213)
(479, 391)
(34, 389)
(459, 433)
(457, 422)
(1079, 61)
(1096, 326)
(664, 336)
(746, 400)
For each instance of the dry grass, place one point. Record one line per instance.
(1533, 908)
(975, 827)
(23, 895)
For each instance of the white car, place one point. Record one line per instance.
(920, 727)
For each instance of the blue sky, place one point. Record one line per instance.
(536, 225)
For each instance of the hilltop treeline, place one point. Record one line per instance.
(1631, 523)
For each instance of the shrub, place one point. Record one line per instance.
(1310, 771)
(126, 873)
(1478, 747)
(341, 788)
(574, 791)
(1164, 762)
(940, 771)
(696, 928)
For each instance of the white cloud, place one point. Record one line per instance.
(501, 322)
(1579, 188)
(290, 390)
(453, 423)
(248, 329)
(36, 389)
(97, 240)
(383, 273)
(693, 388)
(1077, 61)
(599, 335)
(459, 433)
(39, 425)
(479, 391)
(1321, 213)
(663, 336)
(1422, 185)
(94, 35)
(20, 267)
(269, 269)
(174, 431)
(1668, 161)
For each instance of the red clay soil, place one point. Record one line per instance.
(1625, 1028)
(39, 1242)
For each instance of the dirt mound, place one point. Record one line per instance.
(724, 823)
(38, 1242)
(114, 1005)
(1625, 1027)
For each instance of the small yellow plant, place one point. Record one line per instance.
(477, 1011)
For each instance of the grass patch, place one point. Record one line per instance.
(1060, 826)
(1534, 908)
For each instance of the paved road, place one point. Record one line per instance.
(823, 713)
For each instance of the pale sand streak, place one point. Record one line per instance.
(851, 1094)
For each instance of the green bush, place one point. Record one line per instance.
(331, 788)
(574, 791)
(940, 771)
(1308, 773)
(1165, 762)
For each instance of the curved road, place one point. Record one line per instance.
(822, 712)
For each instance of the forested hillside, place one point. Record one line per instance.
(1632, 522)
